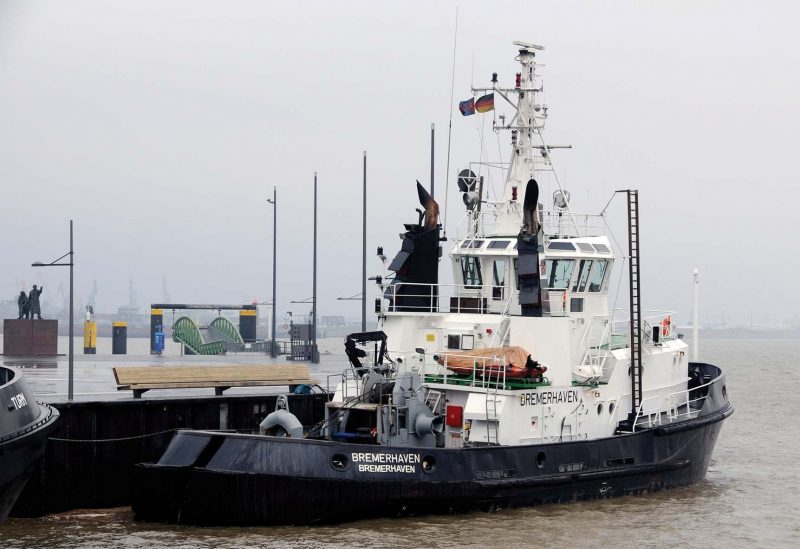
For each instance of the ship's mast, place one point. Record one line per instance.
(528, 146)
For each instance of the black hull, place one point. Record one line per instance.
(23, 432)
(264, 480)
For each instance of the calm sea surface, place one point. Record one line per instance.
(750, 498)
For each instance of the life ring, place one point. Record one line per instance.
(665, 325)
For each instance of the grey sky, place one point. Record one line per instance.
(161, 127)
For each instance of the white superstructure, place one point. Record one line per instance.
(586, 391)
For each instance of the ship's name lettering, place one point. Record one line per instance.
(19, 401)
(548, 397)
(385, 463)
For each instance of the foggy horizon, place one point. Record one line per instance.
(161, 129)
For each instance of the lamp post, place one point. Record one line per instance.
(71, 264)
(314, 352)
(364, 253)
(274, 202)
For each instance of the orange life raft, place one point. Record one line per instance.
(516, 362)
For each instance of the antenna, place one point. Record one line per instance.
(528, 45)
(450, 127)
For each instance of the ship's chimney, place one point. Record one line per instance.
(529, 245)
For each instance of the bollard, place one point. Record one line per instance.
(158, 342)
(156, 325)
(119, 338)
(247, 325)
(90, 337)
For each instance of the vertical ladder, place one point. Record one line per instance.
(635, 304)
(492, 420)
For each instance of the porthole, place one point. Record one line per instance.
(429, 464)
(599, 408)
(540, 460)
(724, 391)
(611, 408)
(339, 462)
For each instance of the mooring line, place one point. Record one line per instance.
(114, 439)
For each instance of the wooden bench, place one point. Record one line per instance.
(143, 378)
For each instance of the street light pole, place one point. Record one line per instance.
(314, 352)
(71, 264)
(71, 380)
(274, 202)
(364, 255)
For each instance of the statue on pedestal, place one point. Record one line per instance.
(33, 302)
(22, 303)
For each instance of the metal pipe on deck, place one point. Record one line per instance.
(433, 134)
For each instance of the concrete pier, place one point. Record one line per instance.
(103, 432)
(89, 459)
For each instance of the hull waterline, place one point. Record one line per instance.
(282, 481)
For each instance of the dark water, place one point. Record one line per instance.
(750, 498)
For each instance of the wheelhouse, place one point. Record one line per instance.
(576, 272)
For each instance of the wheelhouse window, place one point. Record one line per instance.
(559, 273)
(583, 276)
(602, 248)
(561, 246)
(597, 276)
(471, 269)
(472, 244)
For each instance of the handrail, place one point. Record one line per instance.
(458, 291)
(503, 317)
(436, 294)
(669, 398)
(553, 223)
(494, 360)
(620, 327)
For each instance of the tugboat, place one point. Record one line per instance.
(517, 385)
(24, 426)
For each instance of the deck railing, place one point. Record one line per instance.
(487, 372)
(455, 298)
(554, 223)
(677, 405)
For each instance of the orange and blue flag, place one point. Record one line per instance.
(485, 103)
(467, 107)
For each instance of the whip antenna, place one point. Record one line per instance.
(450, 127)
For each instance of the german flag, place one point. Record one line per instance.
(485, 103)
